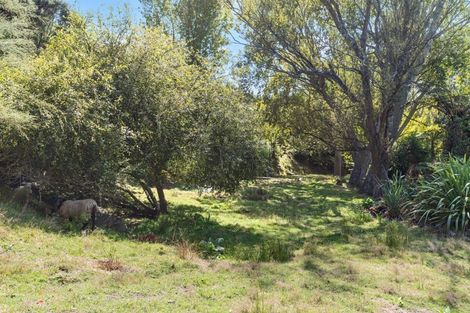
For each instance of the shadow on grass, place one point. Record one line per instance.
(312, 207)
(13, 215)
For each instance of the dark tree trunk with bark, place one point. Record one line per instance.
(338, 170)
(161, 198)
(361, 160)
(378, 171)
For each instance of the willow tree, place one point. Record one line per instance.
(364, 55)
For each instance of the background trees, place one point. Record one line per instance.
(26, 25)
(109, 105)
(16, 32)
(201, 24)
(365, 56)
(113, 108)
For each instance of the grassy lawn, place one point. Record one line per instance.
(340, 264)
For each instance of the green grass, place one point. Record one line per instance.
(46, 266)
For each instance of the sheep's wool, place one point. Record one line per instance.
(77, 208)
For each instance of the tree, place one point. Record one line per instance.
(181, 123)
(16, 31)
(365, 55)
(201, 24)
(74, 148)
(27, 25)
(49, 14)
(447, 80)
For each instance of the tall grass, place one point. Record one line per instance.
(395, 195)
(443, 200)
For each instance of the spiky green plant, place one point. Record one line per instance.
(444, 199)
(395, 195)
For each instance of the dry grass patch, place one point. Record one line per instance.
(110, 265)
(185, 250)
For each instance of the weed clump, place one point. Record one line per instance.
(269, 251)
(211, 249)
(396, 235)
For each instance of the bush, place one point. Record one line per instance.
(211, 249)
(444, 198)
(396, 235)
(367, 203)
(410, 151)
(395, 195)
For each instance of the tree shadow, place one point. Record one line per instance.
(13, 215)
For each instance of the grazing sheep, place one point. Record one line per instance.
(71, 209)
(23, 194)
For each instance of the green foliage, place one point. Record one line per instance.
(395, 195)
(211, 249)
(396, 235)
(201, 24)
(50, 15)
(447, 78)
(443, 199)
(16, 31)
(268, 251)
(114, 105)
(409, 151)
(27, 25)
(367, 203)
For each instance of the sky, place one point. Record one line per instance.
(104, 6)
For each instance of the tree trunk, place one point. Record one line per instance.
(361, 160)
(338, 170)
(161, 198)
(378, 172)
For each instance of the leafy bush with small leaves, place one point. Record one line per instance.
(211, 249)
(395, 195)
(443, 200)
(396, 235)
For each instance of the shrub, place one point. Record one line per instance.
(396, 235)
(444, 198)
(184, 249)
(395, 195)
(408, 152)
(367, 203)
(211, 249)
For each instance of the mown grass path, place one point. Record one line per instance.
(341, 263)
